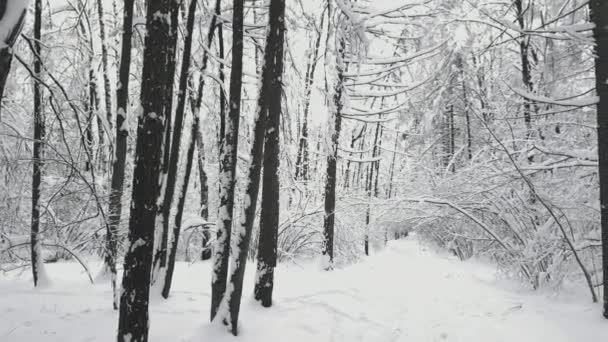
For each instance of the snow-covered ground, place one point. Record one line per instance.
(405, 293)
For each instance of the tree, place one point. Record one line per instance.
(179, 117)
(39, 133)
(269, 220)
(12, 16)
(168, 177)
(118, 169)
(107, 92)
(269, 111)
(332, 158)
(133, 319)
(599, 16)
(228, 154)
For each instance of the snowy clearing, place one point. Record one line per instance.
(405, 293)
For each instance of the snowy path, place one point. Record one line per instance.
(405, 293)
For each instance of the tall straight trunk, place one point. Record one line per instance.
(160, 259)
(599, 16)
(269, 110)
(118, 170)
(369, 187)
(302, 158)
(368, 190)
(332, 159)
(204, 192)
(39, 133)
(525, 66)
(465, 100)
(228, 157)
(133, 320)
(171, 180)
(392, 167)
(6, 54)
(106, 73)
(92, 107)
(449, 138)
(352, 147)
(222, 118)
(269, 220)
(195, 103)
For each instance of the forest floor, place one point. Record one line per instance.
(407, 292)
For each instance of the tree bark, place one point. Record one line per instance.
(525, 66)
(122, 132)
(332, 159)
(195, 103)
(269, 220)
(175, 147)
(106, 75)
(228, 159)
(599, 16)
(133, 319)
(269, 108)
(39, 133)
(168, 179)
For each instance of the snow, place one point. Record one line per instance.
(408, 292)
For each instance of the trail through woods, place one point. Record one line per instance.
(408, 292)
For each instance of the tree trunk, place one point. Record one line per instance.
(332, 159)
(122, 132)
(168, 181)
(599, 16)
(525, 66)
(175, 147)
(228, 159)
(269, 220)
(196, 103)
(269, 110)
(392, 168)
(133, 320)
(39, 133)
(106, 79)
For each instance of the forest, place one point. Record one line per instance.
(307, 170)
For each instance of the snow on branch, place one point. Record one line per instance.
(584, 102)
(402, 59)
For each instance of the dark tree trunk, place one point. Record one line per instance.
(525, 66)
(392, 167)
(369, 187)
(348, 162)
(599, 16)
(133, 320)
(122, 132)
(168, 178)
(465, 100)
(269, 220)
(206, 250)
(39, 132)
(172, 179)
(228, 159)
(269, 110)
(332, 159)
(222, 118)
